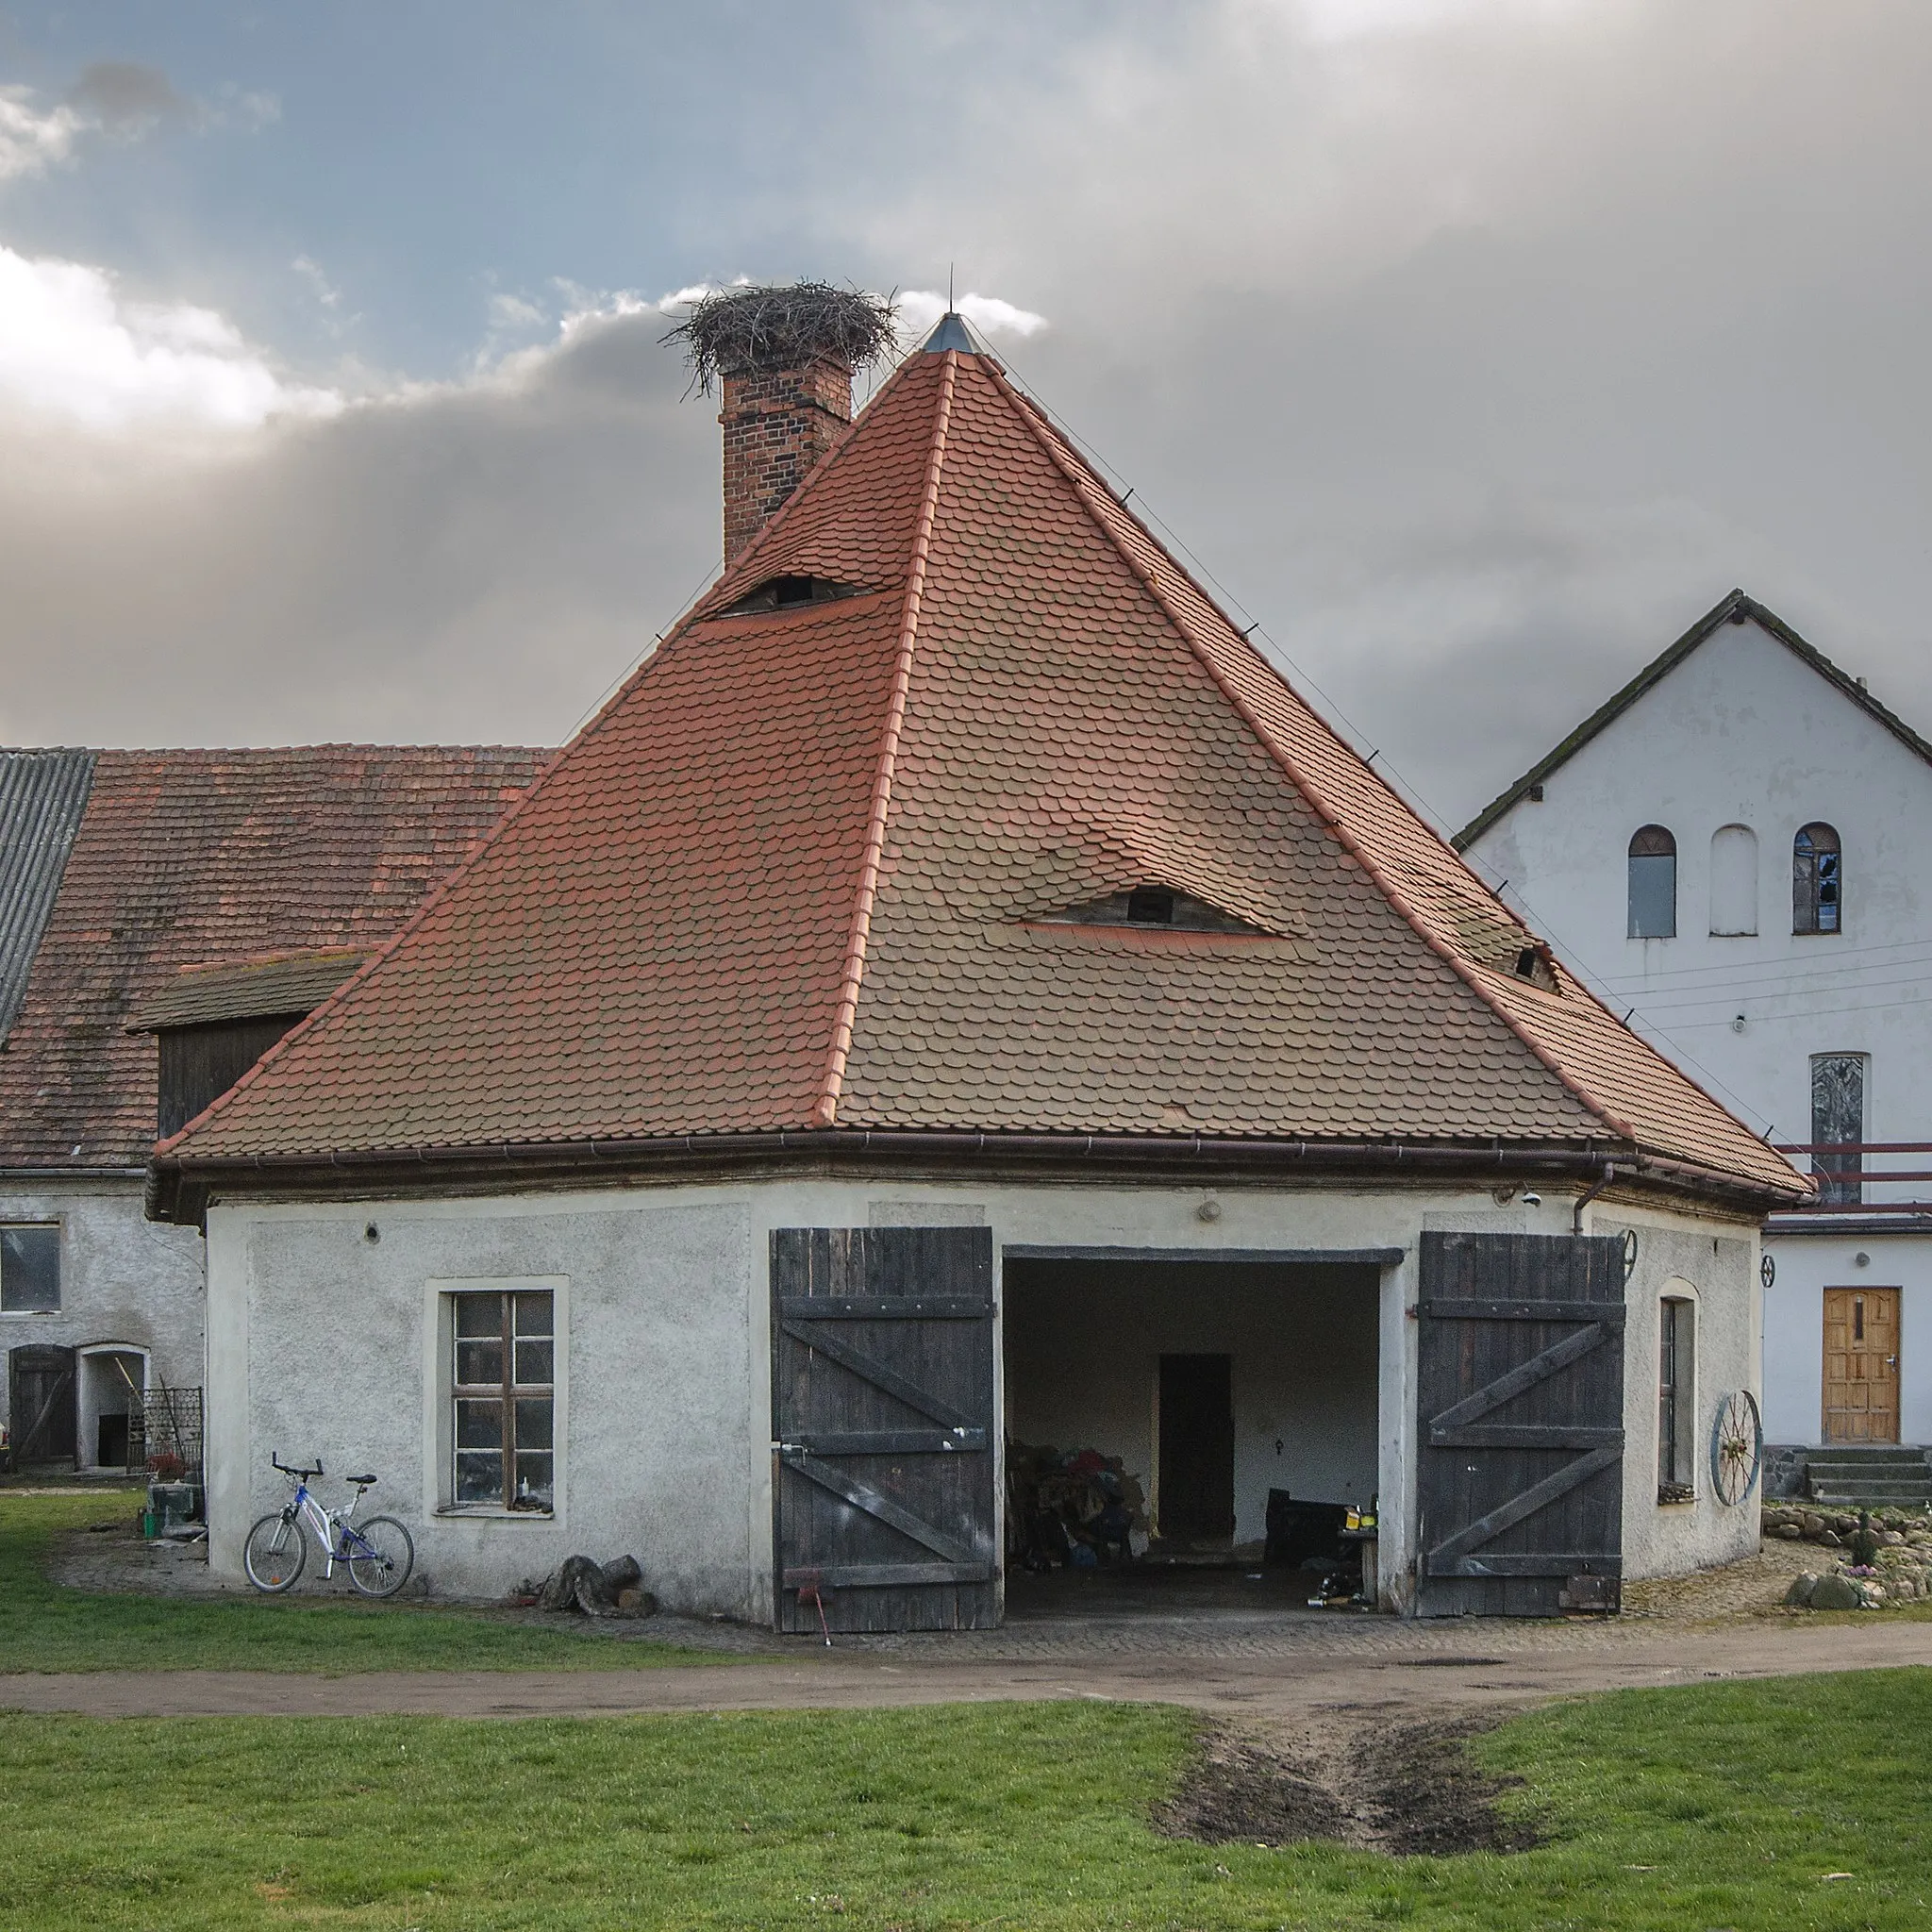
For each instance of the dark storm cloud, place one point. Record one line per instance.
(471, 562)
(1477, 348)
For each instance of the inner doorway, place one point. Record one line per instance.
(1862, 1364)
(1195, 1489)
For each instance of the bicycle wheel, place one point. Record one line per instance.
(275, 1552)
(379, 1554)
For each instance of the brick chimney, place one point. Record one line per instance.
(777, 422)
(783, 354)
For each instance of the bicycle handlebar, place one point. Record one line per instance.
(300, 1474)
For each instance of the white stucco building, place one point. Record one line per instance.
(1738, 846)
(955, 994)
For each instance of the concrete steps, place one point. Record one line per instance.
(1897, 1478)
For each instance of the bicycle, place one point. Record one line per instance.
(378, 1553)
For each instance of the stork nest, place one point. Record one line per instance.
(784, 328)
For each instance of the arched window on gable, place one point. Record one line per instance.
(1732, 881)
(1653, 885)
(1817, 881)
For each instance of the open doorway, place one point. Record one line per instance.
(1185, 1433)
(113, 1390)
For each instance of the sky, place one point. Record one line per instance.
(1473, 348)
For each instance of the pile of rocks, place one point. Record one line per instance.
(1800, 1521)
(1897, 1544)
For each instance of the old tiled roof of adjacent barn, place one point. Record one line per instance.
(163, 859)
(802, 873)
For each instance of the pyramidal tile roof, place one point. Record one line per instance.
(815, 868)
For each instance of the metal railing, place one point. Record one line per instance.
(1850, 1181)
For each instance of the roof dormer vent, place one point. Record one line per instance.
(790, 592)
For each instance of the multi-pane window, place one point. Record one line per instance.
(30, 1269)
(1817, 881)
(1676, 1409)
(1653, 884)
(503, 1387)
(1838, 1118)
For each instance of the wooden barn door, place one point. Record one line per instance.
(1521, 1395)
(882, 1421)
(40, 1406)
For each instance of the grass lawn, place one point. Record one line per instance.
(45, 1627)
(1719, 1806)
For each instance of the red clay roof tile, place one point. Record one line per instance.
(793, 874)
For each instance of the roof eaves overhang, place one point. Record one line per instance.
(179, 1189)
(1735, 607)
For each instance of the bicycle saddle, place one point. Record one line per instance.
(363, 1482)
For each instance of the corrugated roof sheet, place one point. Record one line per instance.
(42, 794)
(197, 857)
(792, 874)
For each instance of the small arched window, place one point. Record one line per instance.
(1732, 881)
(1817, 881)
(1653, 885)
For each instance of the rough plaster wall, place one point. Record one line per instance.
(1083, 1345)
(316, 1340)
(122, 1279)
(660, 1383)
(1794, 1327)
(1721, 1263)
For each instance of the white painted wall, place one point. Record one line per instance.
(123, 1279)
(318, 1348)
(1745, 733)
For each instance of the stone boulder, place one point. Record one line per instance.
(1835, 1592)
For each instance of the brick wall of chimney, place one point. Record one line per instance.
(778, 424)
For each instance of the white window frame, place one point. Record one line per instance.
(59, 1224)
(439, 1401)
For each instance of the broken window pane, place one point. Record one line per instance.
(1816, 880)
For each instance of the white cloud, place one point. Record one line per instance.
(31, 141)
(72, 348)
(921, 309)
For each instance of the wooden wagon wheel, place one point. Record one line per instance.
(1736, 1446)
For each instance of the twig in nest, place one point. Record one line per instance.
(784, 328)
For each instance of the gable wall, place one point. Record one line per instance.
(1744, 732)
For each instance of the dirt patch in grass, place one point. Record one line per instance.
(1404, 1786)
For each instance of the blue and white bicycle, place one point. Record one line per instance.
(378, 1555)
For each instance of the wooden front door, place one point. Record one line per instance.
(1862, 1364)
(1196, 1496)
(882, 1418)
(1520, 1388)
(40, 1404)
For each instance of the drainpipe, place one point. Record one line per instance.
(1589, 1195)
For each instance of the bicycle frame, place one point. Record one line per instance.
(333, 1529)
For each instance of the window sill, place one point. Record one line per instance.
(1675, 1496)
(494, 1512)
(25, 1314)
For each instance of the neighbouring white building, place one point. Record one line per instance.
(954, 993)
(1738, 845)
